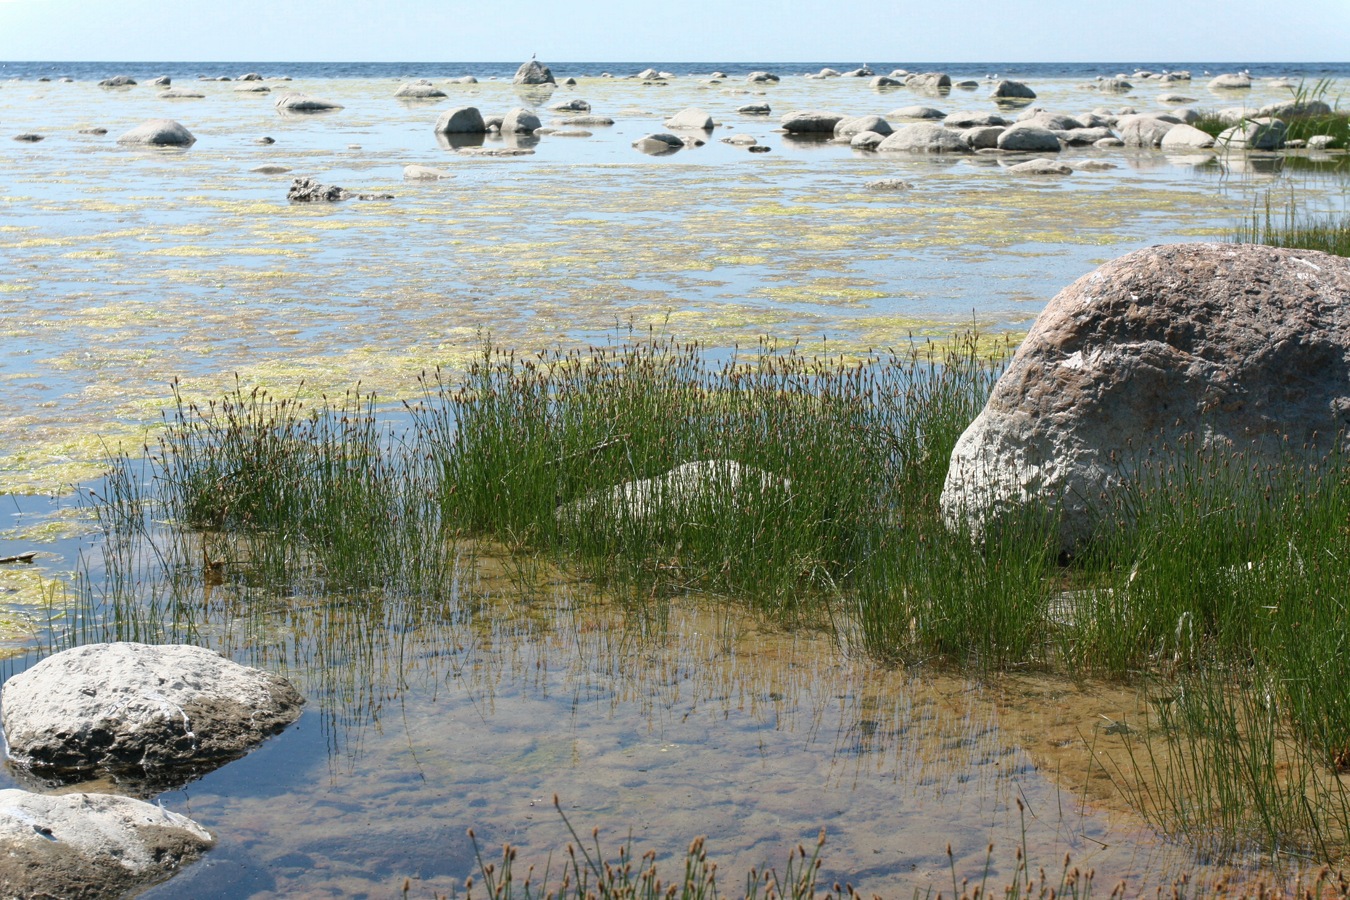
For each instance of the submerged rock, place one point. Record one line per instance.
(658, 144)
(117, 81)
(1205, 345)
(303, 103)
(90, 845)
(127, 707)
(419, 90)
(686, 490)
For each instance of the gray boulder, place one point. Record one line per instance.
(573, 105)
(533, 72)
(810, 122)
(923, 137)
(762, 78)
(866, 140)
(1041, 167)
(1186, 137)
(754, 109)
(520, 121)
(162, 81)
(126, 707)
(1025, 138)
(691, 119)
(1012, 90)
(1082, 137)
(1231, 82)
(303, 103)
(1046, 119)
(1295, 109)
(933, 82)
(180, 94)
(973, 120)
(117, 81)
(860, 124)
(886, 81)
(658, 144)
(1143, 131)
(419, 90)
(1115, 85)
(90, 845)
(461, 120)
(982, 137)
(1255, 134)
(159, 133)
(1206, 344)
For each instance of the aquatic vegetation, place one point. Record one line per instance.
(1296, 228)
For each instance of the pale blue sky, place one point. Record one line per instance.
(677, 30)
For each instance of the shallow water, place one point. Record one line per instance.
(127, 269)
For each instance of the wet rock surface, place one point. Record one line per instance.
(137, 708)
(1212, 345)
(90, 845)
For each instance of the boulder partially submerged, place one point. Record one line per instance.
(533, 72)
(683, 491)
(158, 133)
(131, 708)
(90, 845)
(303, 103)
(1209, 345)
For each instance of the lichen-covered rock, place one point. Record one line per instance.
(1224, 345)
(90, 845)
(127, 707)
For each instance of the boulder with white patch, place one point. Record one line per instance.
(129, 708)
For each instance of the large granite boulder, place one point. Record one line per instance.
(533, 72)
(1222, 345)
(923, 137)
(158, 133)
(127, 707)
(90, 845)
(461, 120)
(1295, 109)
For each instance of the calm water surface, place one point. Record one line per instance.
(124, 270)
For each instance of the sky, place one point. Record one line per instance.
(851, 31)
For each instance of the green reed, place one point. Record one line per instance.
(1294, 228)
